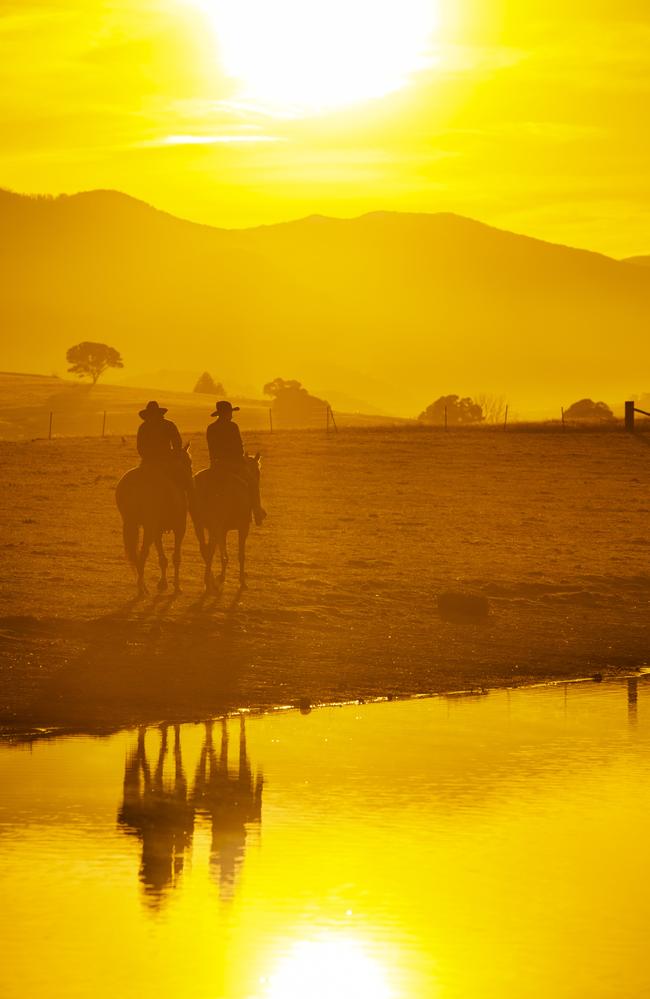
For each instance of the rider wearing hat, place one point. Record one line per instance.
(157, 437)
(227, 452)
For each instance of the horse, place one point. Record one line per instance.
(222, 504)
(155, 500)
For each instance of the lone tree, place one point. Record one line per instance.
(207, 385)
(459, 411)
(92, 359)
(587, 409)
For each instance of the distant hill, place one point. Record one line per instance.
(393, 308)
(643, 261)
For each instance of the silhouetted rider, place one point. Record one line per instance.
(157, 437)
(227, 453)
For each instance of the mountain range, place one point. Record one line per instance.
(394, 308)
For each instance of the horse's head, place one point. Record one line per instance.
(254, 462)
(183, 464)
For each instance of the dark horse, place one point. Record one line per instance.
(222, 503)
(156, 501)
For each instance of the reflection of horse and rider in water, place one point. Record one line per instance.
(161, 809)
(157, 496)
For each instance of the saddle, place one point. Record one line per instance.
(223, 475)
(161, 472)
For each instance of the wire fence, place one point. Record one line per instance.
(120, 423)
(44, 423)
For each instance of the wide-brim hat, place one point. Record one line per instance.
(152, 409)
(223, 406)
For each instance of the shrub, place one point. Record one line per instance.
(587, 409)
(459, 411)
(293, 405)
(207, 385)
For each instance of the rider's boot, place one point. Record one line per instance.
(259, 513)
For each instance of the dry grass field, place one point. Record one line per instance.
(365, 529)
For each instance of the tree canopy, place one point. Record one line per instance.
(293, 405)
(89, 359)
(459, 411)
(587, 409)
(279, 386)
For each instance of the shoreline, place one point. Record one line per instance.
(28, 731)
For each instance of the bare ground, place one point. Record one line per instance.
(365, 529)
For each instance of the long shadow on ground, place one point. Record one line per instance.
(140, 661)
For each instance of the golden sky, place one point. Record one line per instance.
(529, 114)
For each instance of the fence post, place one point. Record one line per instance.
(104, 425)
(629, 416)
(49, 433)
(331, 413)
(327, 419)
(270, 420)
(505, 421)
(562, 411)
(632, 697)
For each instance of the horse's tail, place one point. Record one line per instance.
(196, 507)
(130, 535)
(125, 497)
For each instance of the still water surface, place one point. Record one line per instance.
(435, 849)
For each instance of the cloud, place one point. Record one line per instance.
(545, 131)
(480, 60)
(257, 109)
(209, 140)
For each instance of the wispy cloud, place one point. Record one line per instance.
(545, 131)
(479, 60)
(210, 140)
(258, 110)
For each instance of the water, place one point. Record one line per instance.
(480, 847)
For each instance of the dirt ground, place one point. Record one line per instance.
(366, 528)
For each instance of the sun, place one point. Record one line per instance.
(311, 56)
(328, 968)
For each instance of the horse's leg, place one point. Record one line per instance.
(199, 530)
(223, 551)
(208, 554)
(243, 534)
(142, 560)
(163, 563)
(179, 534)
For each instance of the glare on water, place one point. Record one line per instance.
(455, 847)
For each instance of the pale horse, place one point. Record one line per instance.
(222, 503)
(155, 501)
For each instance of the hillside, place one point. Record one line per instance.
(392, 308)
(642, 261)
(26, 402)
(78, 409)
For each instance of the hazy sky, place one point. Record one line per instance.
(529, 114)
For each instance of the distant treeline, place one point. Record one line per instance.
(293, 405)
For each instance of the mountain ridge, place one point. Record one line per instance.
(101, 194)
(393, 307)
